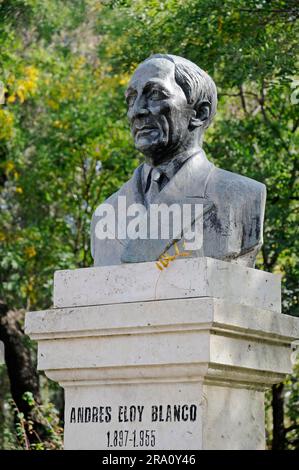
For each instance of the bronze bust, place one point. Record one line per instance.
(171, 102)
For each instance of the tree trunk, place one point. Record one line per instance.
(278, 441)
(22, 374)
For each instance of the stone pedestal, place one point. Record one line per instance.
(172, 359)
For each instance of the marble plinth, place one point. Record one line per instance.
(172, 359)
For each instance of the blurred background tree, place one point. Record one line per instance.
(65, 146)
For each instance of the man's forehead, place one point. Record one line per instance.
(160, 69)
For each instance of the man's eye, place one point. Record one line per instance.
(157, 95)
(131, 100)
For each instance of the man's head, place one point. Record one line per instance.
(171, 102)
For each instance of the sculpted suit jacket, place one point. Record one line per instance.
(233, 213)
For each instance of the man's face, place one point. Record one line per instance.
(158, 111)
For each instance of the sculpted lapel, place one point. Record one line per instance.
(186, 187)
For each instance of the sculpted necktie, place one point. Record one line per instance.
(156, 176)
(160, 176)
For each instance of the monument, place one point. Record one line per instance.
(171, 102)
(172, 338)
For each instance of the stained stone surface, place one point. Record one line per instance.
(194, 277)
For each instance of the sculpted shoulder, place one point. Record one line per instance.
(234, 187)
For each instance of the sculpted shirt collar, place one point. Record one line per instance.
(168, 169)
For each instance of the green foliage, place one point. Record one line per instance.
(47, 417)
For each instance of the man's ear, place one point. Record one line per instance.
(201, 114)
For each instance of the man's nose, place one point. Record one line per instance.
(139, 108)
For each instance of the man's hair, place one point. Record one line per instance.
(197, 85)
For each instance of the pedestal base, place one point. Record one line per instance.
(182, 373)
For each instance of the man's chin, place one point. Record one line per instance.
(151, 150)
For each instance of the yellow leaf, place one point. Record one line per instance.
(21, 94)
(11, 99)
(30, 252)
(6, 124)
(9, 166)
